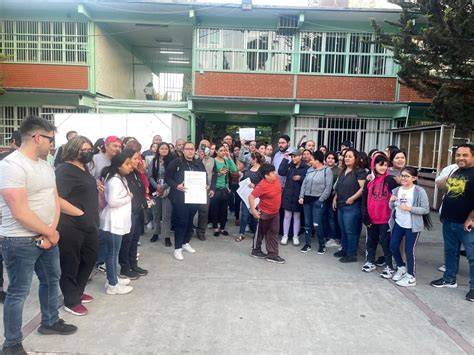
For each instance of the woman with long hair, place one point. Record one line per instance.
(78, 223)
(162, 208)
(116, 220)
(219, 202)
(128, 250)
(330, 225)
(347, 200)
(252, 173)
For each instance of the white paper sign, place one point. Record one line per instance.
(244, 192)
(247, 133)
(195, 184)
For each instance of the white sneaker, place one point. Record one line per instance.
(331, 243)
(118, 289)
(387, 273)
(442, 268)
(368, 267)
(188, 248)
(407, 281)
(124, 281)
(296, 241)
(149, 226)
(178, 254)
(284, 240)
(401, 271)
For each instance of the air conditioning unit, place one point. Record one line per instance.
(287, 24)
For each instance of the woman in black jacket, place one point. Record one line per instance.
(295, 173)
(174, 177)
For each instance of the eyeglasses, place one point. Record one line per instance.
(404, 176)
(51, 139)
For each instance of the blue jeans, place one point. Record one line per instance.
(313, 217)
(350, 222)
(22, 257)
(245, 219)
(453, 235)
(398, 233)
(330, 226)
(112, 250)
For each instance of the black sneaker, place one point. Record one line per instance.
(224, 232)
(200, 236)
(59, 327)
(216, 234)
(380, 261)
(3, 295)
(139, 270)
(339, 254)
(470, 295)
(442, 283)
(258, 254)
(348, 259)
(306, 248)
(168, 242)
(154, 238)
(16, 349)
(275, 259)
(132, 275)
(321, 250)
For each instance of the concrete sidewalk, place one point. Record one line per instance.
(222, 301)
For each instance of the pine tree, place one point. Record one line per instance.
(435, 50)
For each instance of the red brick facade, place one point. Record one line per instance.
(310, 87)
(345, 88)
(244, 85)
(45, 76)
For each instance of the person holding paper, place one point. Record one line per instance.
(253, 173)
(220, 200)
(245, 150)
(174, 177)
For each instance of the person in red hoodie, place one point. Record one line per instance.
(376, 213)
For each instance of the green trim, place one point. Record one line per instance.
(194, 61)
(92, 58)
(192, 127)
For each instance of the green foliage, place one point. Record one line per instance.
(434, 47)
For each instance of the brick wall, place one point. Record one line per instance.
(45, 76)
(243, 85)
(407, 94)
(346, 88)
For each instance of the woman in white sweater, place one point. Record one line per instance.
(115, 220)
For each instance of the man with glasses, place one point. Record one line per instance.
(30, 213)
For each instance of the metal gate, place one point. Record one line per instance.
(365, 133)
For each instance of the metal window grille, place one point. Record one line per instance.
(244, 50)
(344, 53)
(12, 116)
(53, 42)
(365, 133)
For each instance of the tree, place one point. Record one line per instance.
(3, 58)
(435, 50)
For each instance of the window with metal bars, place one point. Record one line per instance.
(12, 116)
(344, 53)
(243, 50)
(54, 42)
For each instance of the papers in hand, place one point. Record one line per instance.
(244, 192)
(247, 133)
(196, 190)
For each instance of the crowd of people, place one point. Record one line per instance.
(87, 207)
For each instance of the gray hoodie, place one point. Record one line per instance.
(317, 183)
(421, 206)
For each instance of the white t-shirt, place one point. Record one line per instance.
(18, 171)
(403, 218)
(99, 162)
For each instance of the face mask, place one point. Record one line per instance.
(85, 157)
(207, 151)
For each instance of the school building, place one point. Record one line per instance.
(311, 71)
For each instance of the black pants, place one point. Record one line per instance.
(128, 249)
(1, 270)
(234, 200)
(78, 251)
(184, 223)
(379, 233)
(218, 208)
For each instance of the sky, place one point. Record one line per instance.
(379, 3)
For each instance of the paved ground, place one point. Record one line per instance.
(222, 301)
